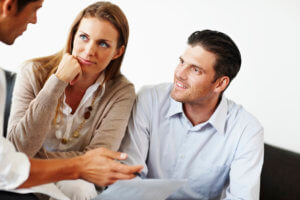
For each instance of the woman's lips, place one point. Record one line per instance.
(85, 61)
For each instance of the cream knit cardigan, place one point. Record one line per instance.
(34, 106)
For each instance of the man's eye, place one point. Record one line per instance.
(196, 70)
(181, 61)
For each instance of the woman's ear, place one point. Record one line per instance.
(222, 83)
(119, 52)
(8, 7)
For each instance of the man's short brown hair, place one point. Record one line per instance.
(22, 3)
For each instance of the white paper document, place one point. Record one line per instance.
(48, 189)
(145, 189)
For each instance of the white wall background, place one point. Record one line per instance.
(267, 33)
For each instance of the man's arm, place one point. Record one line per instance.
(246, 168)
(137, 137)
(98, 166)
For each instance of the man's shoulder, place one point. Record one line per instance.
(161, 89)
(155, 92)
(154, 95)
(238, 114)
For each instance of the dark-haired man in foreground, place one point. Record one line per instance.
(190, 130)
(16, 169)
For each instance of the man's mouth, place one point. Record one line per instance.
(180, 85)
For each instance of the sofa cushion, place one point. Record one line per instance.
(280, 179)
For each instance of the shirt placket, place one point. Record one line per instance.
(182, 149)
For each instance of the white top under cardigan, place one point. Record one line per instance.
(67, 123)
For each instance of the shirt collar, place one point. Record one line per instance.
(217, 120)
(175, 107)
(90, 90)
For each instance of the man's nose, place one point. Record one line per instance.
(33, 19)
(181, 72)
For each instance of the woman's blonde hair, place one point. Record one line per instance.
(101, 10)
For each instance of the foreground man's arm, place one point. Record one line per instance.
(97, 166)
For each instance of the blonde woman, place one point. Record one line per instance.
(77, 99)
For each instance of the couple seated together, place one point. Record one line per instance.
(77, 100)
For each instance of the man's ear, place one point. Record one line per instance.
(222, 83)
(8, 7)
(119, 52)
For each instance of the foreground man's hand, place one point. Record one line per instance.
(100, 166)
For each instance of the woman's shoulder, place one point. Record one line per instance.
(29, 66)
(34, 70)
(120, 82)
(120, 85)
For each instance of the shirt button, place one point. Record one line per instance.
(181, 156)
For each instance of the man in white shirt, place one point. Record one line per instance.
(189, 130)
(16, 169)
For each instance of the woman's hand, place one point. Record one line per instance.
(69, 69)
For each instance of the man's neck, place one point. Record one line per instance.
(200, 112)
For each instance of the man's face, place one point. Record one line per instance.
(194, 76)
(18, 22)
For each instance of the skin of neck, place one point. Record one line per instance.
(201, 111)
(84, 82)
(74, 93)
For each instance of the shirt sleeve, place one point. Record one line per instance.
(14, 166)
(136, 140)
(244, 177)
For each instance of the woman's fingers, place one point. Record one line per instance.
(69, 69)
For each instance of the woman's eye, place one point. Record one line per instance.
(83, 37)
(103, 44)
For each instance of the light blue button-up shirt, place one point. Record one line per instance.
(221, 158)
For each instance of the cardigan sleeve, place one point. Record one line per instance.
(110, 128)
(32, 110)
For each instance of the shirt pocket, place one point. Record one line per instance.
(207, 179)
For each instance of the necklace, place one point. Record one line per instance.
(76, 133)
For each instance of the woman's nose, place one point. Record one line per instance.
(90, 49)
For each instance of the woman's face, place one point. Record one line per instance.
(95, 45)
